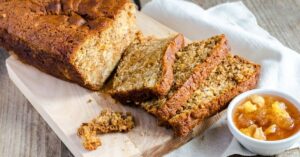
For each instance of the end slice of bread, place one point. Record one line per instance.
(193, 65)
(232, 77)
(146, 69)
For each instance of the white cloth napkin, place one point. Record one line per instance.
(280, 65)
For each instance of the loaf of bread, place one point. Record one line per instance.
(193, 65)
(146, 68)
(232, 77)
(80, 41)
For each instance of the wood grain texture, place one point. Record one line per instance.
(25, 133)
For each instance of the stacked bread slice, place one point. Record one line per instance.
(192, 66)
(231, 77)
(205, 78)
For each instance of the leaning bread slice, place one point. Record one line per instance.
(232, 77)
(193, 65)
(146, 69)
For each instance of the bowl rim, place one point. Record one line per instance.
(242, 96)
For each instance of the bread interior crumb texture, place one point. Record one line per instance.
(99, 55)
(141, 66)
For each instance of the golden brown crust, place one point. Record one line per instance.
(164, 85)
(46, 33)
(199, 74)
(166, 78)
(185, 124)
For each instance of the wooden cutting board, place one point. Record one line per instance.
(64, 106)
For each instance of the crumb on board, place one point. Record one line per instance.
(202, 138)
(89, 101)
(142, 133)
(89, 137)
(106, 122)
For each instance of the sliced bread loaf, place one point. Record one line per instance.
(146, 68)
(192, 66)
(232, 77)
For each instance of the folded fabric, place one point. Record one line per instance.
(279, 63)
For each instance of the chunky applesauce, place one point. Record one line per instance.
(266, 117)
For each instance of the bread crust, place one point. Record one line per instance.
(163, 85)
(53, 64)
(199, 74)
(44, 34)
(184, 125)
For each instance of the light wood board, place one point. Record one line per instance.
(64, 106)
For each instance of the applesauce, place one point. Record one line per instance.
(267, 117)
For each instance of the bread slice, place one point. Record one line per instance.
(232, 77)
(192, 66)
(146, 68)
(79, 41)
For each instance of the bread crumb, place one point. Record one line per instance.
(142, 133)
(202, 138)
(106, 122)
(89, 101)
(89, 137)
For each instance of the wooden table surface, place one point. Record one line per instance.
(23, 132)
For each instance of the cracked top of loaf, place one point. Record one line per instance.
(63, 24)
